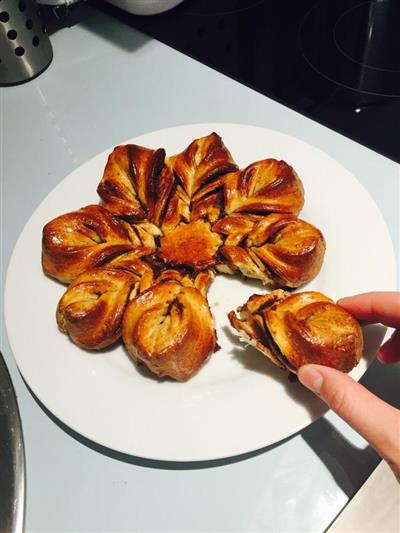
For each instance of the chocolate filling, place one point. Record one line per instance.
(271, 344)
(258, 331)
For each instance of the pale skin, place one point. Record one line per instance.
(377, 421)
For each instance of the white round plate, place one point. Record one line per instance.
(238, 402)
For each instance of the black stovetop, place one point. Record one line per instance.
(335, 61)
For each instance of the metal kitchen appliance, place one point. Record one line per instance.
(335, 61)
(145, 7)
(25, 49)
(12, 457)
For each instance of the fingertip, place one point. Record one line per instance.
(311, 377)
(343, 301)
(352, 305)
(374, 307)
(353, 300)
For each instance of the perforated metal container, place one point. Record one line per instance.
(25, 49)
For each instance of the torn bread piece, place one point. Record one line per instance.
(296, 329)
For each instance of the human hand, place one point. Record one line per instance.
(378, 307)
(377, 421)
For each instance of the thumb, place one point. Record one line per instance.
(377, 421)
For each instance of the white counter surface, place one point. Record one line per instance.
(108, 83)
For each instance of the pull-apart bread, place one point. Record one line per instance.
(295, 329)
(138, 265)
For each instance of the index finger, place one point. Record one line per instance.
(374, 307)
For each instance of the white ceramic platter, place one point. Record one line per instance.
(238, 402)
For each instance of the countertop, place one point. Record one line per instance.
(108, 83)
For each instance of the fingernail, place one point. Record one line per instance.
(311, 378)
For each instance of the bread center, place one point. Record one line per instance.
(192, 245)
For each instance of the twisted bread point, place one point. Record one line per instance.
(170, 328)
(199, 171)
(80, 240)
(264, 187)
(278, 249)
(296, 329)
(91, 309)
(202, 162)
(130, 183)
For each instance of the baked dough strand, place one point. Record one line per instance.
(170, 328)
(279, 249)
(296, 329)
(91, 309)
(80, 240)
(267, 186)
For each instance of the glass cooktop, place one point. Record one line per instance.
(335, 61)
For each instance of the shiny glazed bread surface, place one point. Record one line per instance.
(143, 257)
(80, 240)
(129, 187)
(267, 186)
(278, 249)
(91, 309)
(170, 328)
(297, 329)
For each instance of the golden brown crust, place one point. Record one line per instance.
(166, 184)
(169, 327)
(198, 280)
(129, 184)
(142, 234)
(208, 208)
(139, 183)
(177, 209)
(133, 262)
(199, 173)
(293, 251)
(297, 329)
(278, 249)
(91, 309)
(267, 186)
(202, 162)
(236, 227)
(309, 328)
(80, 240)
(193, 245)
(238, 259)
